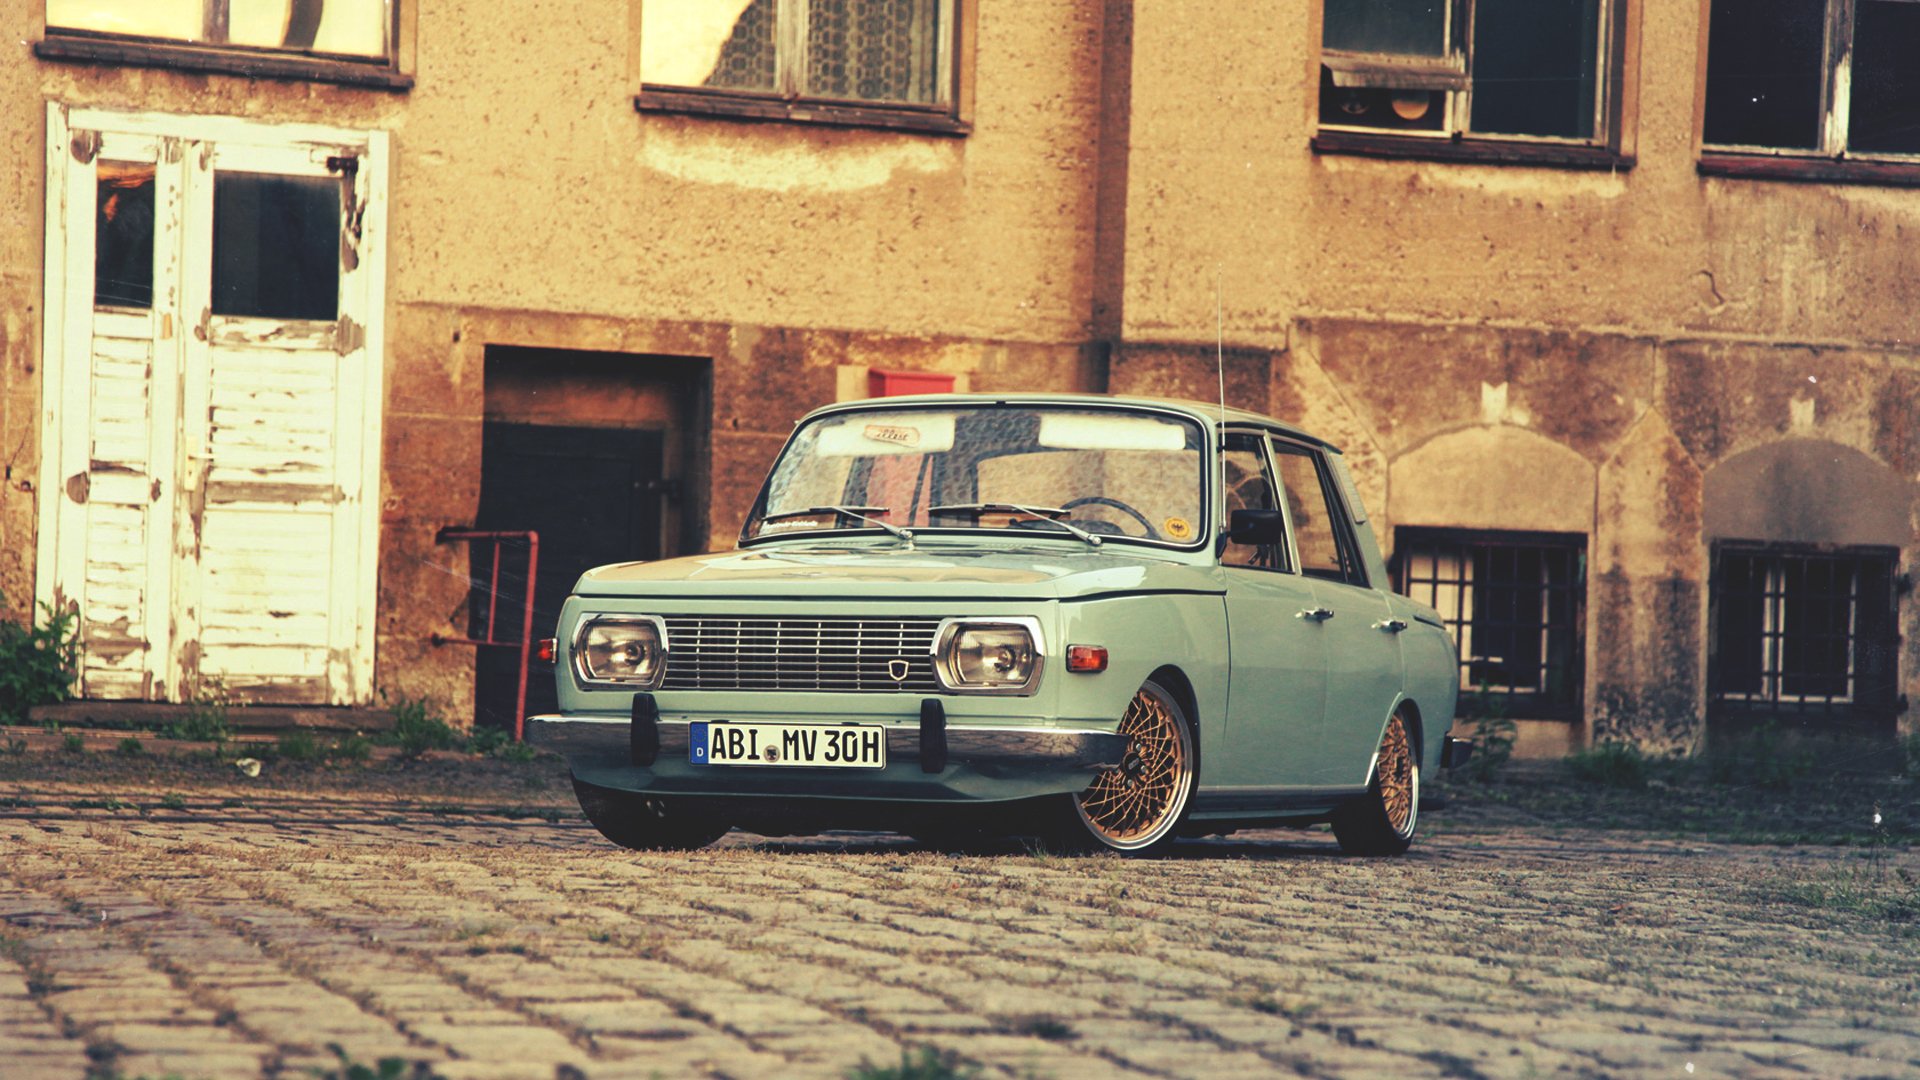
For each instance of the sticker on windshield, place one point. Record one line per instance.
(1178, 528)
(893, 434)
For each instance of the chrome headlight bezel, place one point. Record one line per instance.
(946, 640)
(592, 620)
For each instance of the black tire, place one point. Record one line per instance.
(1136, 809)
(644, 823)
(1382, 821)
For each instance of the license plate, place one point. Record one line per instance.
(842, 746)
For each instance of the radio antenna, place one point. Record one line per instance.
(1220, 341)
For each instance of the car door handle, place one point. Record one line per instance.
(1391, 626)
(1314, 614)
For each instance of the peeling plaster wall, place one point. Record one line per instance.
(531, 205)
(1525, 347)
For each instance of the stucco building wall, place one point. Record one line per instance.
(1496, 347)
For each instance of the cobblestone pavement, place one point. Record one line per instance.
(201, 935)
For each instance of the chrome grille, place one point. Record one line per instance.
(841, 655)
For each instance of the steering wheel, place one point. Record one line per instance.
(1102, 500)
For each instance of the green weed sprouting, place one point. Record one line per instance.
(206, 718)
(38, 662)
(417, 727)
(928, 1064)
(1611, 764)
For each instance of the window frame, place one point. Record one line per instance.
(1353, 567)
(949, 115)
(1285, 559)
(391, 72)
(1615, 99)
(1872, 703)
(1528, 705)
(1831, 160)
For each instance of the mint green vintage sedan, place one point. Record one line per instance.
(1107, 623)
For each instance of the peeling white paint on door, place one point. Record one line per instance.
(205, 488)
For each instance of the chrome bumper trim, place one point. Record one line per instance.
(1054, 747)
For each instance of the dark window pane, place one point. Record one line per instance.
(1764, 72)
(873, 50)
(746, 60)
(1534, 67)
(1818, 617)
(1411, 27)
(1740, 645)
(123, 236)
(1885, 114)
(276, 246)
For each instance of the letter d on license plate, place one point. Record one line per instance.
(842, 746)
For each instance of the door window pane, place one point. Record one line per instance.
(1764, 72)
(1534, 67)
(1249, 488)
(1409, 27)
(276, 246)
(1314, 528)
(123, 236)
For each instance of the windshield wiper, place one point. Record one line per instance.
(1049, 514)
(861, 512)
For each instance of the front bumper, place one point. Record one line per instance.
(977, 747)
(926, 762)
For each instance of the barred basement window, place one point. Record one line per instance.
(1515, 603)
(1803, 633)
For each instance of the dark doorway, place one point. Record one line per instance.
(592, 451)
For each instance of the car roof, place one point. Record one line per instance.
(1211, 414)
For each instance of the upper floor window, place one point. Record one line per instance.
(343, 41)
(806, 58)
(1501, 70)
(1815, 78)
(357, 28)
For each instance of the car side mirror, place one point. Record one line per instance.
(1256, 527)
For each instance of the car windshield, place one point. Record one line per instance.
(1085, 473)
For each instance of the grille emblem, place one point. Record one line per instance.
(897, 670)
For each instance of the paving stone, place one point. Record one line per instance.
(503, 947)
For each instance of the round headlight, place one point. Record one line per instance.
(623, 651)
(989, 656)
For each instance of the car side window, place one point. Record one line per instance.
(1320, 528)
(1249, 486)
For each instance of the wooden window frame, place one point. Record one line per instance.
(1616, 102)
(784, 104)
(1830, 162)
(93, 47)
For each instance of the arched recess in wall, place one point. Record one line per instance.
(1492, 478)
(1808, 491)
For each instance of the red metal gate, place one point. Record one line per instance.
(491, 639)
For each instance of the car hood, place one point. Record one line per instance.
(887, 570)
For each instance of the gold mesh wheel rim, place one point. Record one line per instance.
(1134, 805)
(1399, 784)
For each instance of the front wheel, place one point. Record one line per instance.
(1381, 821)
(643, 823)
(1135, 807)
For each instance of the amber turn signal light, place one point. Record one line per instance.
(543, 650)
(1087, 659)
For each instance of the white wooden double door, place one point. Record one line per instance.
(211, 422)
